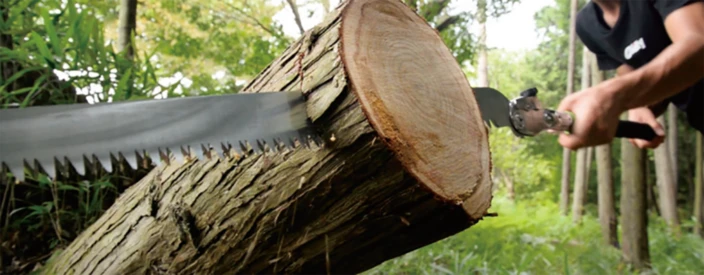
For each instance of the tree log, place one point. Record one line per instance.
(405, 163)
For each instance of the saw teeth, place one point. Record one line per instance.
(141, 159)
(130, 158)
(263, 146)
(209, 151)
(47, 167)
(226, 149)
(153, 156)
(165, 155)
(246, 148)
(105, 161)
(185, 154)
(17, 171)
(34, 168)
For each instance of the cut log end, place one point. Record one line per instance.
(419, 101)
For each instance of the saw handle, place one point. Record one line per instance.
(562, 121)
(630, 129)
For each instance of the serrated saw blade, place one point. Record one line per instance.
(107, 131)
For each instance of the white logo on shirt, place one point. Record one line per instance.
(634, 48)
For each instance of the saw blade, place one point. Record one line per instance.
(494, 106)
(82, 133)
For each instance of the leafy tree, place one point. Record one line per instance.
(217, 45)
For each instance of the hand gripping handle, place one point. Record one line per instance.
(625, 129)
(529, 118)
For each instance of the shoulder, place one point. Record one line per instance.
(586, 15)
(586, 23)
(586, 19)
(665, 7)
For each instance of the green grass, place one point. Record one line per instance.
(535, 239)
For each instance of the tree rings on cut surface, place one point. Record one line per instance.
(419, 101)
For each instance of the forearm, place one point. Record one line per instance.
(675, 69)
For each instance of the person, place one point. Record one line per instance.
(657, 49)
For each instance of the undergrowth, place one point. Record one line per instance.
(536, 239)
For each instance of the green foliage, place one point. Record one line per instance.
(218, 45)
(452, 27)
(66, 38)
(529, 238)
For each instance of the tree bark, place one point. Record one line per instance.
(699, 189)
(394, 173)
(667, 189)
(566, 153)
(634, 217)
(581, 172)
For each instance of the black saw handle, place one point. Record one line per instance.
(630, 129)
(562, 121)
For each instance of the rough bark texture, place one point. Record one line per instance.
(667, 189)
(605, 180)
(566, 153)
(634, 219)
(699, 189)
(341, 207)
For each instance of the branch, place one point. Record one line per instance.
(448, 22)
(296, 16)
(434, 9)
(256, 21)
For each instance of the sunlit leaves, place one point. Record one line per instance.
(216, 44)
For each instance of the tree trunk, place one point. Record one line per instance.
(566, 153)
(607, 210)
(672, 139)
(605, 181)
(579, 184)
(395, 173)
(127, 26)
(581, 172)
(634, 219)
(699, 189)
(667, 190)
(483, 59)
(590, 157)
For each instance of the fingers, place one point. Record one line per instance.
(570, 141)
(566, 103)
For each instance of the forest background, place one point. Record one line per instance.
(558, 211)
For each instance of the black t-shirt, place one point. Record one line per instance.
(638, 37)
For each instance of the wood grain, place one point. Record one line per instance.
(417, 98)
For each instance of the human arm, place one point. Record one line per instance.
(677, 67)
(646, 115)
